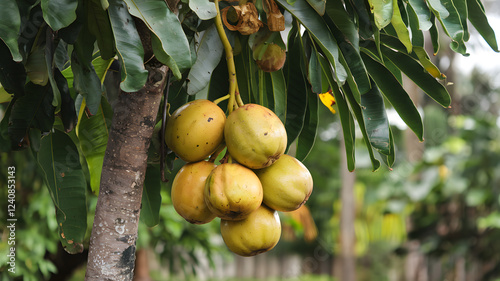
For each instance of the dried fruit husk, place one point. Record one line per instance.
(256, 234)
(287, 184)
(195, 130)
(255, 136)
(247, 18)
(232, 191)
(187, 192)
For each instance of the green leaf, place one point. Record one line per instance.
(375, 117)
(395, 94)
(417, 36)
(4, 96)
(338, 15)
(59, 13)
(307, 137)
(318, 5)
(279, 94)
(356, 109)
(461, 6)
(151, 197)
(129, 47)
(59, 160)
(400, 27)
(165, 25)
(67, 112)
(382, 12)
(419, 76)
(348, 128)
(50, 49)
(447, 14)
(209, 55)
(478, 19)
(93, 133)
(204, 9)
(423, 13)
(296, 90)
(34, 109)
(10, 23)
(320, 31)
(12, 75)
(100, 26)
(434, 33)
(314, 73)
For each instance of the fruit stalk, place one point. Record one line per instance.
(229, 59)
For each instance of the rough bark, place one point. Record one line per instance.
(114, 233)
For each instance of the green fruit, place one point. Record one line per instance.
(255, 136)
(256, 234)
(187, 192)
(287, 184)
(195, 130)
(272, 57)
(232, 191)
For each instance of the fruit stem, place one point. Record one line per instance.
(239, 101)
(217, 101)
(229, 59)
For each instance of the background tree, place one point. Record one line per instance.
(57, 55)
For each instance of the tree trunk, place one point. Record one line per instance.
(347, 216)
(114, 233)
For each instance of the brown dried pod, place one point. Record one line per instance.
(247, 18)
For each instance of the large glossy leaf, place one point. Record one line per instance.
(478, 19)
(204, 9)
(339, 16)
(318, 5)
(34, 109)
(50, 48)
(279, 92)
(151, 197)
(447, 14)
(100, 26)
(59, 13)
(10, 22)
(356, 109)
(129, 47)
(165, 25)
(417, 36)
(348, 128)
(296, 89)
(59, 160)
(67, 110)
(319, 30)
(382, 12)
(400, 27)
(423, 13)
(375, 117)
(93, 133)
(307, 136)
(395, 94)
(417, 74)
(209, 53)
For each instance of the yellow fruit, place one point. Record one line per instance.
(232, 191)
(256, 234)
(187, 192)
(287, 184)
(195, 130)
(255, 136)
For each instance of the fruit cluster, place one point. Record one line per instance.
(245, 191)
